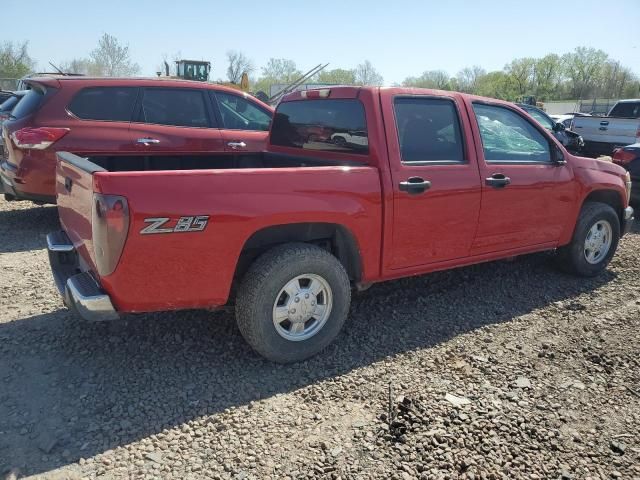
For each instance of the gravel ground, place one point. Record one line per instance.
(498, 371)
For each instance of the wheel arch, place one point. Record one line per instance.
(608, 196)
(336, 238)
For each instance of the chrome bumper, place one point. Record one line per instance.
(80, 290)
(627, 220)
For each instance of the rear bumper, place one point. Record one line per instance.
(80, 290)
(627, 220)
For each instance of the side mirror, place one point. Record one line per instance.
(558, 127)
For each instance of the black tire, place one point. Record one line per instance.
(263, 282)
(572, 256)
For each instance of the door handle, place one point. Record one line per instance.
(237, 145)
(497, 180)
(148, 141)
(415, 185)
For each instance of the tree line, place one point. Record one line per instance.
(580, 74)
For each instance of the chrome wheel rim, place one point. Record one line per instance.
(598, 242)
(302, 307)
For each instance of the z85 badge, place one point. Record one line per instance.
(182, 224)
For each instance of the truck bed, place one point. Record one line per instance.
(239, 197)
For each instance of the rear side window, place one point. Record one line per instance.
(29, 103)
(178, 107)
(428, 130)
(328, 125)
(104, 103)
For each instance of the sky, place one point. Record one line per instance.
(401, 38)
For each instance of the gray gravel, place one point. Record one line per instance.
(499, 371)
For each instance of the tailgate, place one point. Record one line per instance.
(74, 190)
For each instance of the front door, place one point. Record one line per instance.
(436, 186)
(527, 196)
(244, 125)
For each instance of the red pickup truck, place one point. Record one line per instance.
(433, 180)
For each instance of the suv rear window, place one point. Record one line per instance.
(29, 103)
(104, 103)
(328, 125)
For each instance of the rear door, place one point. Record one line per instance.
(527, 197)
(103, 118)
(244, 124)
(436, 185)
(176, 121)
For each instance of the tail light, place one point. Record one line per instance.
(623, 157)
(109, 227)
(37, 138)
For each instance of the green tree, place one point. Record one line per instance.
(110, 59)
(584, 68)
(337, 76)
(548, 74)
(15, 61)
(438, 79)
(497, 84)
(366, 74)
(521, 73)
(277, 71)
(468, 79)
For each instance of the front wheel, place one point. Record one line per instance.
(594, 241)
(293, 302)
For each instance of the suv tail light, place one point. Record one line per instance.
(37, 138)
(623, 157)
(109, 228)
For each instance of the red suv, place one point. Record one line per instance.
(166, 118)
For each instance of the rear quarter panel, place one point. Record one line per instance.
(195, 269)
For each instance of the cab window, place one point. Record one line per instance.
(428, 130)
(508, 137)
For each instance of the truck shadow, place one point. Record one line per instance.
(73, 390)
(25, 228)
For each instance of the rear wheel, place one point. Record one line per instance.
(594, 241)
(293, 302)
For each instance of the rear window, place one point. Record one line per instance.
(104, 103)
(29, 103)
(327, 125)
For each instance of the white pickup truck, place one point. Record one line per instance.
(604, 134)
